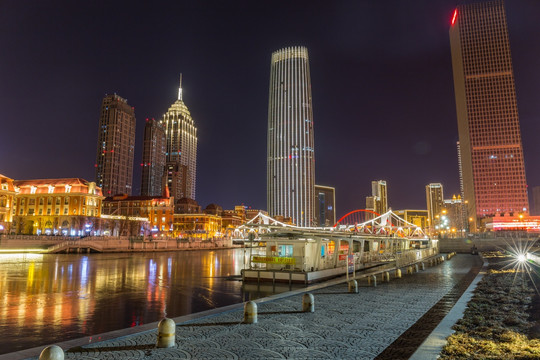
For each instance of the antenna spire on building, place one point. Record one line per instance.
(180, 89)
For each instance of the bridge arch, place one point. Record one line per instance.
(356, 217)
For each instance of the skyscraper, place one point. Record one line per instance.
(181, 150)
(291, 157)
(488, 122)
(153, 161)
(325, 205)
(434, 200)
(378, 201)
(116, 146)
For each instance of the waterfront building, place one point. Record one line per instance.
(7, 200)
(290, 146)
(416, 217)
(325, 205)
(434, 199)
(181, 149)
(197, 226)
(378, 201)
(138, 215)
(187, 206)
(70, 206)
(116, 146)
(153, 159)
(492, 162)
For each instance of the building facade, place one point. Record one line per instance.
(138, 215)
(492, 163)
(153, 160)
(181, 149)
(378, 201)
(416, 217)
(116, 146)
(69, 207)
(325, 206)
(291, 155)
(434, 200)
(7, 202)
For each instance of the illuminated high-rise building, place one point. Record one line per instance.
(325, 206)
(116, 146)
(378, 201)
(291, 157)
(488, 122)
(181, 150)
(153, 160)
(435, 201)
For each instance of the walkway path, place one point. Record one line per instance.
(370, 324)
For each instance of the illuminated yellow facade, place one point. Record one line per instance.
(70, 206)
(7, 197)
(158, 210)
(202, 226)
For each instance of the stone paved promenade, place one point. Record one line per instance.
(343, 326)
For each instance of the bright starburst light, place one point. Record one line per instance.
(523, 259)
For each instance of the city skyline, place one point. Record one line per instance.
(355, 74)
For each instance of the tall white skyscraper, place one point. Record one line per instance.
(181, 150)
(291, 156)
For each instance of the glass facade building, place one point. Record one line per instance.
(492, 162)
(153, 160)
(291, 156)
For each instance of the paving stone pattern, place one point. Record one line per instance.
(343, 326)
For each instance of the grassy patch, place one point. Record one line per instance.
(498, 318)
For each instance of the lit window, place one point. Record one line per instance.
(51, 189)
(33, 189)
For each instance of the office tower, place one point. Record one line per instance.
(325, 205)
(434, 199)
(181, 150)
(153, 161)
(378, 201)
(116, 146)
(291, 157)
(488, 123)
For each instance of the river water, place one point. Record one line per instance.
(51, 298)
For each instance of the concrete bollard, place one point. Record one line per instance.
(423, 266)
(166, 333)
(308, 303)
(353, 286)
(409, 269)
(386, 276)
(53, 352)
(372, 279)
(398, 273)
(415, 268)
(250, 313)
(442, 258)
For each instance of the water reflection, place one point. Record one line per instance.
(51, 298)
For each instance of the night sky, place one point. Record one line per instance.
(381, 72)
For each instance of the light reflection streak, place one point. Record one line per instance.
(57, 296)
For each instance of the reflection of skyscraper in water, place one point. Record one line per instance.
(291, 155)
(181, 149)
(488, 122)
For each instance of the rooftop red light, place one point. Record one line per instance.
(454, 17)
